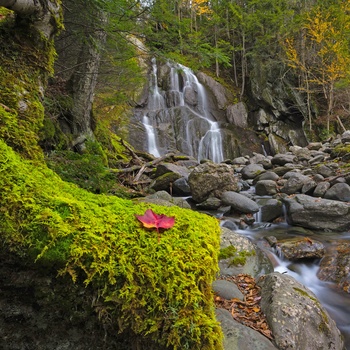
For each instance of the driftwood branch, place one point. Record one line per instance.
(133, 154)
(143, 167)
(340, 123)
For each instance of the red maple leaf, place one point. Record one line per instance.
(152, 220)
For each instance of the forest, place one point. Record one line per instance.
(71, 73)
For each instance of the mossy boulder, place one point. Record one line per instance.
(159, 291)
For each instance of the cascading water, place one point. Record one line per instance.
(186, 97)
(155, 103)
(151, 138)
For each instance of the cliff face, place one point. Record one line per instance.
(194, 114)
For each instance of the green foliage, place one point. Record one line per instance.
(149, 287)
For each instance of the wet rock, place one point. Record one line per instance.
(269, 175)
(210, 179)
(270, 209)
(301, 248)
(339, 191)
(321, 189)
(266, 187)
(240, 337)
(227, 290)
(325, 171)
(282, 159)
(255, 262)
(239, 202)
(181, 187)
(212, 203)
(295, 183)
(319, 214)
(252, 170)
(296, 317)
(335, 266)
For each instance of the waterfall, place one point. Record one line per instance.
(185, 100)
(151, 138)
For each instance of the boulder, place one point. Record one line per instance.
(239, 337)
(210, 179)
(282, 159)
(301, 248)
(334, 267)
(321, 189)
(227, 290)
(296, 317)
(252, 261)
(295, 183)
(266, 188)
(239, 202)
(319, 214)
(270, 209)
(339, 191)
(251, 171)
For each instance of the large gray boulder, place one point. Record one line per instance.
(252, 260)
(317, 213)
(210, 179)
(296, 317)
(240, 337)
(239, 202)
(339, 191)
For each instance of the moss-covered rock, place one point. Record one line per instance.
(161, 291)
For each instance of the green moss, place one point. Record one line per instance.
(236, 258)
(148, 287)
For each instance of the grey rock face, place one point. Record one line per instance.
(296, 317)
(317, 213)
(237, 114)
(240, 337)
(211, 179)
(239, 202)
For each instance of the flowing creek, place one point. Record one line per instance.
(336, 302)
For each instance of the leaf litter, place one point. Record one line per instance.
(247, 311)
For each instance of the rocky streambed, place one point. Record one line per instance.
(288, 218)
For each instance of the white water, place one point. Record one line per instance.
(151, 137)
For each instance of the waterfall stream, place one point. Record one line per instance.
(335, 301)
(187, 97)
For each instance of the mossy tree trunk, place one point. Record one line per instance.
(43, 15)
(83, 81)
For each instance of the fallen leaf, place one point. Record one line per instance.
(152, 220)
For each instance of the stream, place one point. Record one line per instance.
(336, 302)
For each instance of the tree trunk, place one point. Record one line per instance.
(83, 83)
(44, 15)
